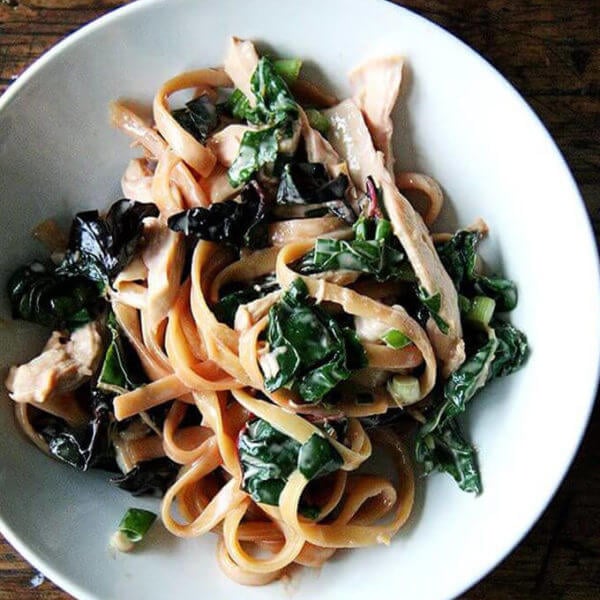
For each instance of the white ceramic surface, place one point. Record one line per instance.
(461, 122)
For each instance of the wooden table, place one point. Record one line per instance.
(550, 50)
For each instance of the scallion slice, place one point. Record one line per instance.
(135, 524)
(395, 339)
(317, 120)
(288, 68)
(481, 310)
(404, 389)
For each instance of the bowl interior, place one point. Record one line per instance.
(458, 121)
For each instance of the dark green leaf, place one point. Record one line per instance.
(268, 457)
(503, 291)
(199, 117)
(312, 351)
(257, 149)
(446, 450)
(469, 377)
(512, 349)
(433, 304)
(38, 294)
(101, 246)
(227, 306)
(151, 477)
(274, 108)
(317, 457)
(86, 447)
(459, 257)
(121, 370)
(239, 222)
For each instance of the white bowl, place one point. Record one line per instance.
(461, 122)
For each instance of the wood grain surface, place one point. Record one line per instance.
(550, 51)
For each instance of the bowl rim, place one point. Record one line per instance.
(587, 239)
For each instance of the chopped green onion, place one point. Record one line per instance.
(395, 339)
(317, 120)
(404, 389)
(288, 68)
(481, 311)
(135, 524)
(383, 229)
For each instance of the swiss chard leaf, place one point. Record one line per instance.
(512, 349)
(86, 447)
(121, 370)
(275, 108)
(309, 183)
(446, 450)
(472, 375)
(227, 306)
(101, 246)
(440, 444)
(268, 457)
(152, 477)
(257, 149)
(459, 257)
(374, 250)
(312, 351)
(238, 222)
(433, 304)
(199, 117)
(38, 294)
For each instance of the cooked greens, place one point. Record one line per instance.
(227, 306)
(151, 477)
(121, 370)
(459, 257)
(268, 457)
(199, 117)
(440, 444)
(239, 222)
(374, 251)
(275, 110)
(312, 353)
(39, 294)
(100, 246)
(86, 447)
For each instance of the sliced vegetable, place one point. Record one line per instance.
(312, 352)
(440, 444)
(446, 450)
(459, 257)
(135, 524)
(433, 304)
(395, 339)
(86, 447)
(257, 149)
(275, 109)
(404, 389)
(288, 68)
(151, 477)
(374, 251)
(318, 120)
(481, 311)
